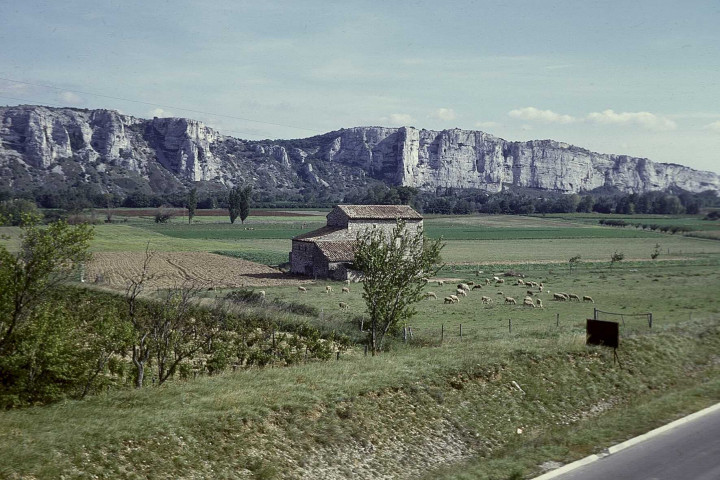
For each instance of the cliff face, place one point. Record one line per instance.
(41, 145)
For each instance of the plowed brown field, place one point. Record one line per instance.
(171, 269)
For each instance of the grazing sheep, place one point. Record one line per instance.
(344, 306)
(485, 299)
(440, 282)
(530, 293)
(460, 291)
(487, 281)
(510, 301)
(538, 302)
(328, 289)
(463, 286)
(448, 300)
(496, 278)
(455, 299)
(499, 280)
(572, 296)
(477, 287)
(431, 295)
(347, 282)
(500, 293)
(540, 284)
(262, 294)
(587, 298)
(527, 299)
(302, 289)
(528, 303)
(345, 290)
(540, 288)
(559, 297)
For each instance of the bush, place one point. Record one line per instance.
(163, 215)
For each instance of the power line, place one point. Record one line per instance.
(157, 105)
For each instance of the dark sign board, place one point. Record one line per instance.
(600, 332)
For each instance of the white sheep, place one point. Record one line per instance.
(572, 296)
(347, 282)
(485, 299)
(499, 280)
(448, 300)
(345, 289)
(328, 289)
(460, 291)
(431, 295)
(262, 294)
(455, 299)
(520, 281)
(510, 301)
(559, 297)
(587, 298)
(302, 289)
(463, 286)
(344, 306)
(540, 288)
(538, 302)
(528, 303)
(440, 282)
(487, 281)
(500, 293)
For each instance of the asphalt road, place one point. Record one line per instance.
(690, 451)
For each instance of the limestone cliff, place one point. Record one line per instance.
(64, 146)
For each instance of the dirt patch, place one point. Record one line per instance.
(170, 269)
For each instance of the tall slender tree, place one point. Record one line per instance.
(234, 201)
(192, 201)
(245, 203)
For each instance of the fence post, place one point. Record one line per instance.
(366, 349)
(509, 325)
(442, 332)
(595, 313)
(557, 319)
(650, 319)
(461, 330)
(405, 334)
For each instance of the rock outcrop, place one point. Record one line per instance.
(42, 145)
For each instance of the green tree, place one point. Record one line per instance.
(234, 201)
(192, 201)
(395, 268)
(18, 212)
(574, 262)
(244, 210)
(46, 257)
(616, 257)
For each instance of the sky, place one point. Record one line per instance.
(639, 78)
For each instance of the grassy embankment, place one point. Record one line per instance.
(423, 406)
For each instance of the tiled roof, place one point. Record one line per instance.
(380, 212)
(320, 232)
(341, 251)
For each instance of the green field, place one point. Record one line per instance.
(437, 405)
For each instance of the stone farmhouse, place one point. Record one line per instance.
(328, 251)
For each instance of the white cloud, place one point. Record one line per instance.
(714, 126)
(70, 97)
(487, 124)
(536, 115)
(444, 114)
(645, 120)
(159, 112)
(398, 119)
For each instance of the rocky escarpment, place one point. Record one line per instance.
(43, 146)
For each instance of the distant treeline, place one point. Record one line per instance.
(443, 200)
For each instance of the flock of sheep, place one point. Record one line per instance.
(533, 289)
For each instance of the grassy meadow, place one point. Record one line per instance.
(518, 389)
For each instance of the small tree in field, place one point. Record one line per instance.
(616, 257)
(655, 253)
(574, 261)
(395, 268)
